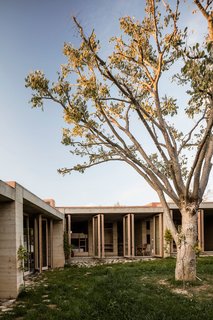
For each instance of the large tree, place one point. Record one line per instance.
(118, 109)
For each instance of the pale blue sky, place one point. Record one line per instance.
(32, 33)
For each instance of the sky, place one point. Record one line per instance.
(32, 34)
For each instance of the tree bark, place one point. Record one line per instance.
(187, 241)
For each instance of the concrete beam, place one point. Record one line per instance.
(122, 209)
(6, 191)
(109, 210)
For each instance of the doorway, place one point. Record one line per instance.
(28, 224)
(208, 227)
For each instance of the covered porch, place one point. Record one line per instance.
(102, 232)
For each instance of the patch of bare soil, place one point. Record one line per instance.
(182, 291)
(205, 291)
(202, 291)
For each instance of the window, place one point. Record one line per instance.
(147, 225)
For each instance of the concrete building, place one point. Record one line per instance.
(118, 231)
(28, 221)
(129, 231)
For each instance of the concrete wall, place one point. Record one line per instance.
(11, 237)
(11, 234)
(19, 230)
(58, 246)
(8, 264)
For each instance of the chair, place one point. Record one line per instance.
(138, 251)
(141, 250)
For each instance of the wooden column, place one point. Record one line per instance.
(40, 242)
(47, 242)
(173, 242)
(161, 234)
(93, 236)
(102, 236)
(158, 241)
(124, 237)
(36, 243)
(129, 235)
(69, 228)
(51, 243)
(99, 237)
(132, 236)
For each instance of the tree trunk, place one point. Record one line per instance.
(186, 243)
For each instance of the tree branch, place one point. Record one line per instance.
(200, 155)
(86, 166)
(201, 8)
(206, 168)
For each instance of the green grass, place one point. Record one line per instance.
(139, 290)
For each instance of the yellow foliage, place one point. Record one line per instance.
(77, 131)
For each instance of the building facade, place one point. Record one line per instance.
(129, 231)
(26, 220)
(99, 232)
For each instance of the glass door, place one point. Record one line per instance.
(29, 263)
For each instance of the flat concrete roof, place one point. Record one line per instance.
(146, 210)
(31, 203)
(7, 193)
(110, 210)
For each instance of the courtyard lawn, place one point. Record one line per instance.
(135, 290)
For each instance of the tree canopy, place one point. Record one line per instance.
(111, 105)
(119, 109)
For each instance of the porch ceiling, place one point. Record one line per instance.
(208, 211)
(4, 199)
(45, 210)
